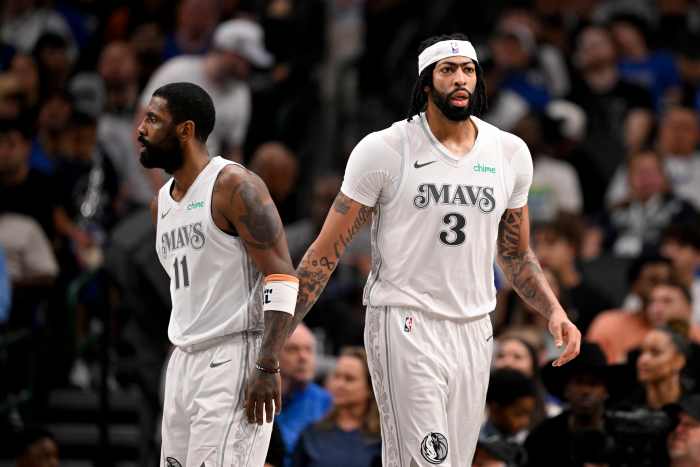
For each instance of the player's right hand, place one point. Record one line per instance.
(263, 396)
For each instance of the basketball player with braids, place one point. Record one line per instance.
(447, 194)
(233, 289)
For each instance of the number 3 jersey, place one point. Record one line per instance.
(214, 286)
(436, 217)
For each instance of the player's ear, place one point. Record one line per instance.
(185, 130)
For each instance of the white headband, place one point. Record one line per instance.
(444, 49)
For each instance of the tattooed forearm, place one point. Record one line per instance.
(320, 261)
(522, 269)
(260, 219)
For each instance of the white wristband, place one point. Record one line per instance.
(280, 293)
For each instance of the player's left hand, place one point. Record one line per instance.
(263, 395)
(565, 333)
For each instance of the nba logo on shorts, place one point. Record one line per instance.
(455, 47)
(408, 324)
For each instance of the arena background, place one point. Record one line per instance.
(588, 84)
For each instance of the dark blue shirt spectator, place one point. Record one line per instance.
(336, 448)
(300, 409)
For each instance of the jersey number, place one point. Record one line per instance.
(185, 272)
(455, 235)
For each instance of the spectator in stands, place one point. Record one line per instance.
(557, 245)
(118, 69)
(498, 454)
(30, 259)
(516, 353)
(654, 69)
(510, 404)
(22, 188)
(36, 447)
(661, 360)
(669, 300)
(679, 136)
(55, 64)
(677, 142)
(349, 435)
(24, 22)
(636, 224)
(619, 113)
(54, 117)
(296, 34)
(303, 401)
(10, 96)
(684, 441)
(238, 45)
(87, 190)
(578, 433)
(195, 23)
(517, 76)
(555, 186)
(681, 244)
(25, 69)
(279, 169)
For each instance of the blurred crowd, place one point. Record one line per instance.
(605, 93)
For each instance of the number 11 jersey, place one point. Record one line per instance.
(214, 286)
(436, 217)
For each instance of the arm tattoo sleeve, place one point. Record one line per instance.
(316, 267)
(260, 219)
(522, 268)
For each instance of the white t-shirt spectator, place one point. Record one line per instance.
(683, 172)
(27, 250)
(555, 187)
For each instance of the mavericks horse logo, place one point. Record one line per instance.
(434, 448)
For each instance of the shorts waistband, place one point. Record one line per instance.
(209, 343)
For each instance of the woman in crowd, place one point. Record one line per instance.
(349, 436)
(659, 366)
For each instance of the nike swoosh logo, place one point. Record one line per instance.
(162, 216)
(489, 338)
(215, 364)
(418, 165)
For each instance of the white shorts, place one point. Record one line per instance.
(430, 377)
(204, 422)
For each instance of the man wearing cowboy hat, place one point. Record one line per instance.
(577, 436)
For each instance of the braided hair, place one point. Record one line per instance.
(419, 99)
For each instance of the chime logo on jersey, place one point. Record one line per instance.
(458, 195)
(183, 236)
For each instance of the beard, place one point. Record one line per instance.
(451, 112)
(167, 155)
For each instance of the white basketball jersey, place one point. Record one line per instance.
(436, 218)
(214, 286)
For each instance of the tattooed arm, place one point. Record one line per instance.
(345, 218)
(522, 269)
(243, 202)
